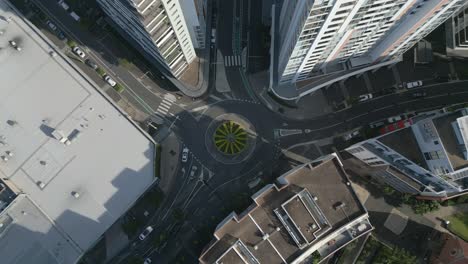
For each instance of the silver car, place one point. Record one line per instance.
(145, 232)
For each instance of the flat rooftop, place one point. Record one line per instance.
(410, 148)
(447, 135)
(307, 205)
(79, 160)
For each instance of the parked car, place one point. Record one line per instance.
(365, 97)
(418, 94)
(351, 135)
(109, 80)
(185, 153)
(79, 52)
(192, 172)
(145, 233)
(61, 35)
(394, 119)
(91, 64)
(51, 25)
(63, 5)
(414, 84)
(147, 261)
(377, 124)
(75, 16)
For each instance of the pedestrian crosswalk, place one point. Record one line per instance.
(165, 105)
(232, 61)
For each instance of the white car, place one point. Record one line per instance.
(110, 81)
(147, 261)
(79, 52)
(414, 84)
(185, 153)
(394, 119)
(145, 232)
(351, 135)
(365, 97)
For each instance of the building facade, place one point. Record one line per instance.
(157, 28)
(317, 38)
(428, 158)
(307, 215)
(457, 33)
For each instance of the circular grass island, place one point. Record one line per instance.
(230, 138)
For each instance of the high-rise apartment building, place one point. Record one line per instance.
(160, 29)
(322, 37)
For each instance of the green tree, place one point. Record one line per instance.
(119, 88)
(100, 71)
(71, 43)
(393, 256)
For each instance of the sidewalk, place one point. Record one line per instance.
(170, 153)
(308, 107)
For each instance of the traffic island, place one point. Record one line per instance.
(230, 138)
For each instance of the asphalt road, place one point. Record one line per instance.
(190, 126)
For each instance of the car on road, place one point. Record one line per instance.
(79, 52)
(351, 135)
(418, 94)
(109, 80)
(365, 97)
(51, 25)
(185, 153)
(394, 119)
(147, 261)
(91, 64)
(145, 233)
(414, 84)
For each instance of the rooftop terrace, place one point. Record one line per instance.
(307, 207)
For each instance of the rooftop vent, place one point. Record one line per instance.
(76, 194)
(9, 153)
(41, 184)
(5, 158)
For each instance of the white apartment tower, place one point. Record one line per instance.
(317, 37)
(157, 28)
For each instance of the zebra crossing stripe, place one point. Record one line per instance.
(162, 111)
(168, 104)
(163, 108)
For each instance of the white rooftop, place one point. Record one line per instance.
(72, 153)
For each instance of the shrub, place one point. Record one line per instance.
(71, 43)
(119, 88)
(124, 62)
(100, 71)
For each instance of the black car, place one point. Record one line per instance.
(91, 64)
(418, 94)
(61, 35)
